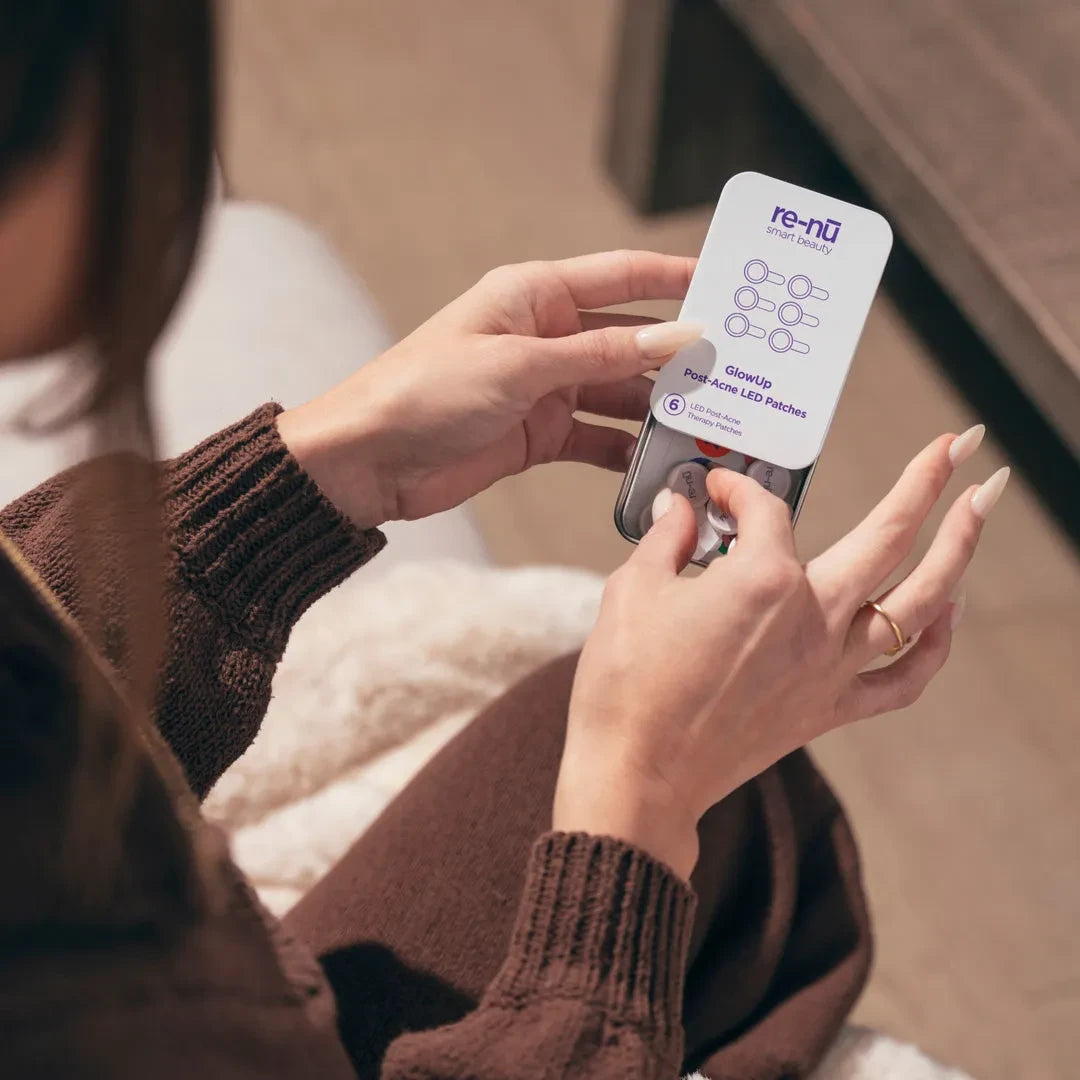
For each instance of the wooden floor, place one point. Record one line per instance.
(433, 141)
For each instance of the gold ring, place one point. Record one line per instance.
(901, 641)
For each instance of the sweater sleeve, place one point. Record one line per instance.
(593, 981)
(252, 544)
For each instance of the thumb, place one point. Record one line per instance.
(670, 542)
(606, 354)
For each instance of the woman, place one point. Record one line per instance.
(691, 897)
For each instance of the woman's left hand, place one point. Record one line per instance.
(489, 387)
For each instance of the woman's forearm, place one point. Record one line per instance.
(252, 544)
(592, 985)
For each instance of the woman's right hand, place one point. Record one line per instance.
(687, 688)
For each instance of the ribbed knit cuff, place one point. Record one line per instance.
(604, 922)
(254, 535)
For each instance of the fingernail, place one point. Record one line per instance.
(957, 612)
(963, 446)
(985, 499)
(630, 451)
(663, 339)
(661, 504)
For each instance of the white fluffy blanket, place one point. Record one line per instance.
(379, 675)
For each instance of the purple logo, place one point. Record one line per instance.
(827, 230)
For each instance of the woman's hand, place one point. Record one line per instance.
(489, 387)
(687, 688)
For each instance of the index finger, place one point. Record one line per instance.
(618, 277)
(763, 519)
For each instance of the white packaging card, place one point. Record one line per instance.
(783, 286)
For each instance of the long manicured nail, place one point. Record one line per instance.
(663, 339)
(661, 504)
(963, 446)
(957, 612)
(985, 499)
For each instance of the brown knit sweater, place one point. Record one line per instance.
(168, 967)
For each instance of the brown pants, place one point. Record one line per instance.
(414, 921)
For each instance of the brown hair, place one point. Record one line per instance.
(150, 64)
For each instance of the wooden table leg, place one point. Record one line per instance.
(693, 103)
